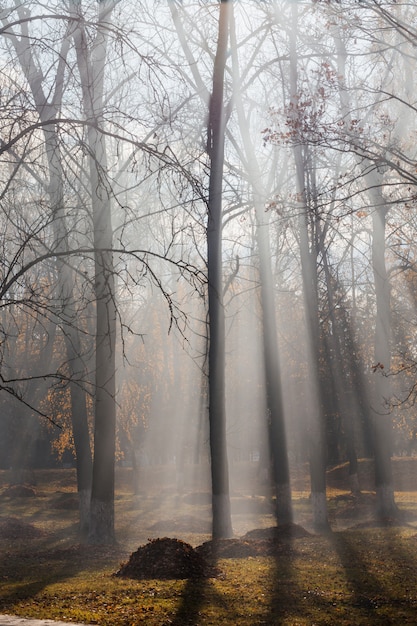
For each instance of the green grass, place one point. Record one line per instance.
(350, 577)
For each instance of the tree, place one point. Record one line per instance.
(308, 218)
(274, 403)
(222, 527)
(91, 62)
(48, 110)
(382, 421)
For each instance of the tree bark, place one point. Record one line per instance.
(308, 257)
(222, 525)
(278, 452)
(47, 111)
(91, 65)
(277, 435)
(382, 421)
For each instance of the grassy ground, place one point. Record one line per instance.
(359, 574)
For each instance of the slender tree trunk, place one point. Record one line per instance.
(277, 438)
(69, 323)
(222, 525)
(274, 404)
(91, 62)
(382, 421)
(338, 372)
(309, 277)
(66, 277)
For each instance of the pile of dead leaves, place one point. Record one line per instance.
(19, 491)
(169, 558)
(14, 528)
(166, 558)
(269, 541)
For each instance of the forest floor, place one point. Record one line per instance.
(165, 570)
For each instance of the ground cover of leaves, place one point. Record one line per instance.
(356, 577)
(359, 573)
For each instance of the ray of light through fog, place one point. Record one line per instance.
(106, 158)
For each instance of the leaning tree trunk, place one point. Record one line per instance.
(381, 418)
(222, 525)
(91, 64)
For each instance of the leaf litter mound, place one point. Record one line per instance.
(170, 558)
(166, 558)
(268, 541)
(15, 529)
(19, 491)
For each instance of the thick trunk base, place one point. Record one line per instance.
(84, 500)
(101, 523)
(283, 509)
(222, 525)
(386, 508)
(319, 510)
(354, 484)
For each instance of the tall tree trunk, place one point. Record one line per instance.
(382, 421)
(277, 435)
(339, 370)
(308, 256)
(68, 321)
(222, 525)
(47, 111)
(274, 403)
(91, 65)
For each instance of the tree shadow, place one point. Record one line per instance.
(200, 591)
(192, 600)
(30, 564)
(284, 586)
(366, 588)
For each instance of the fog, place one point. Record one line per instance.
(107, 153)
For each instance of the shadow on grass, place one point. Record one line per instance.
(201, 592)
(286, 596)
(28, 566)
(270, 598)
(368, 591)
(403, 571)
(405, 549)
(192, 601)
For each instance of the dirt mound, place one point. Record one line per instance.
(19, 491)
(166, 558)
(13, 528)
